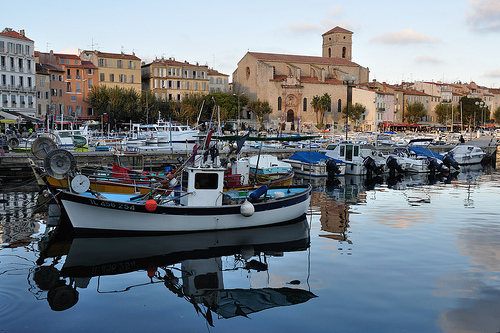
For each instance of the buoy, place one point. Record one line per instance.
(247, 209)
(151, 269)
(151, 205)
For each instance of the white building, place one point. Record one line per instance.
(17, 74)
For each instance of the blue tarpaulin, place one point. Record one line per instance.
(309, 157)
(423, 151)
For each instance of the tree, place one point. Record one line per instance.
(496, 115)
(443, 112)
(415, 112)
(355, 112)
(260, 109)
(325, 103)
(316, 105)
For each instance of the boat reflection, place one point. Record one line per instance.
(190, 265)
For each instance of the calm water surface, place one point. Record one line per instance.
(392, 255)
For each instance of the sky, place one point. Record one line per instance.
(440, 40)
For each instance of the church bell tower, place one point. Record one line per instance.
(337, 43)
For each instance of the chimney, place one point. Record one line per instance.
(385, 87)
(21, 32)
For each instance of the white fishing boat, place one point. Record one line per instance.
(200, 205)
(268, 166)
(467, 154)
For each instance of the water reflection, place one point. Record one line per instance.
(189, 265)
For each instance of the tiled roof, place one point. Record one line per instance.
(13, 34)
(214, 72)
(309, 79)
(337, 29)
(303, 59)
(114, 55)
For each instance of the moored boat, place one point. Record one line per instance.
(314, 164)
(200, 205)
(467, 154)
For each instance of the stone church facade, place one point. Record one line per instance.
(289, 82)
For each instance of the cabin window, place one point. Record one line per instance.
(348, 152)
(356, 151)
(342, 150)
(206, 181)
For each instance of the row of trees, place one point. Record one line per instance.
(125, 105)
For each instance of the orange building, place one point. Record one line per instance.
(78, 78)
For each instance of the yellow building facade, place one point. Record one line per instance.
(171, 80)
(116, 69)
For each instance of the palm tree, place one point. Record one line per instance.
(316, 105)
(325, 103)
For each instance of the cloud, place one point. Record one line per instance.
(334, 11)
(305, 27)
(405, 36)
(428, 60)
(483, 15)
(492, 73)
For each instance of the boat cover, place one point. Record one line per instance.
(423, 151)
(309, 157)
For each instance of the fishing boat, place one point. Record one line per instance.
(200, 205)
(314, 164)
(467, 154)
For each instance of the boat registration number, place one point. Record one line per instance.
(123, 206)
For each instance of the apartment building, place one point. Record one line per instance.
(116, 69)
(171, 80)
(219, 83)
(17, 74)
(71, 80)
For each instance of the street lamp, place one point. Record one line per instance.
(348, 80)
(238, 129)
(482, 107)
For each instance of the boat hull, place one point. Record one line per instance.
(98, 215)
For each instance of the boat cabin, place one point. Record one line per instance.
(204, 186)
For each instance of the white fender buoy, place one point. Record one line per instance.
(247, 209)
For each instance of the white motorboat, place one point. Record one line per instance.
(314, 164)
(360, 158)
(467, 154)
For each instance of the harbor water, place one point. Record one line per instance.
(408, 254)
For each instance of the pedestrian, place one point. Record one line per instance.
(462, 139)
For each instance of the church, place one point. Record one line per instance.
(289, 82)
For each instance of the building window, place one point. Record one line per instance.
(304, 108)
(73, 98)
(279, 103)
(90, 83)
(339, 105)
(119, 64)
(101, 77)
(131, 78)
(111, 77)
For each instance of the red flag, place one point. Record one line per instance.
(195, 149)
(207, 140)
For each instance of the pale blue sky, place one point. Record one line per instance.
(438, 40)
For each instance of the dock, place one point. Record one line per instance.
(157, 160)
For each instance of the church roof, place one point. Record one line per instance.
(337, 29)
(302, 59)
